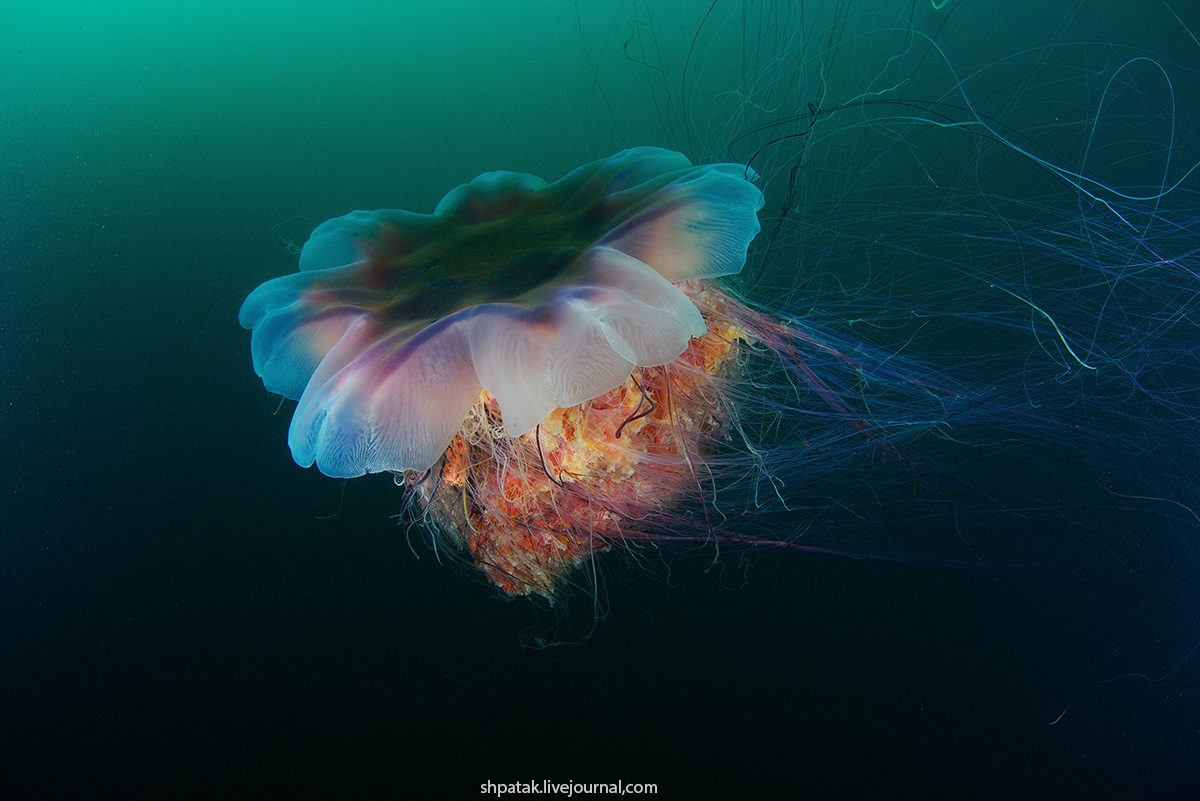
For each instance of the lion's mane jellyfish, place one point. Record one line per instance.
(545, 366)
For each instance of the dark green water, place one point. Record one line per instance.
(182, 613)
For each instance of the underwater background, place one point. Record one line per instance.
(186, 613)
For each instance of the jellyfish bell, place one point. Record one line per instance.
(543, 362)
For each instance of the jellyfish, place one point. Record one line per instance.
(919, 320)
(556, 370)
(541, 363)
